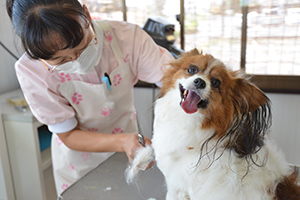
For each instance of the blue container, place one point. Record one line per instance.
(44, 137)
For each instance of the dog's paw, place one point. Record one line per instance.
(143, 157)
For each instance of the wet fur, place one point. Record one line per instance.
(222, 151)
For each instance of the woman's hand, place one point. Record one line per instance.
(131, 143)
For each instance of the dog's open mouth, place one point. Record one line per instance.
(191, 101)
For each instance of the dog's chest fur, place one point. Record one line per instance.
(220, 174)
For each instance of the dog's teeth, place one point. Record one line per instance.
(185, 93)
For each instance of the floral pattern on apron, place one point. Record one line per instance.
(98, 110)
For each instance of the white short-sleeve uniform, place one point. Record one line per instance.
(63, 101)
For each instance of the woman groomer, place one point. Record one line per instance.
(77, 75)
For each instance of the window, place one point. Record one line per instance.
(105, 9)
(270, 48)
(267, 47)
(215, 27)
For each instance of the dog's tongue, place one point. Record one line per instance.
(189, 105)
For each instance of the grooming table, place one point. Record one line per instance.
(107, 182)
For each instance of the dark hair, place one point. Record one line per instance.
(44, 26)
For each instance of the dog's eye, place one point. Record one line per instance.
(192, 69)
(215, 83)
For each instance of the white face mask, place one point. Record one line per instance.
(84, 64)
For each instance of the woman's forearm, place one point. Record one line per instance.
(88, 141)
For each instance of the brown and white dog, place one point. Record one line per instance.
(210, 136)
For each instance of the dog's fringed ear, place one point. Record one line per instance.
(248, 96)
(193, 52)
(253, 118)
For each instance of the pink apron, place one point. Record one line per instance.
(98, 109)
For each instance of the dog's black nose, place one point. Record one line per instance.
(199, 83)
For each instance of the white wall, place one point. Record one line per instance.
(143, 98)
(286, 124)
(8, 80)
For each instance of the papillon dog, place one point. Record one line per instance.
(211, 136)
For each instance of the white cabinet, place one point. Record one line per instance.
(27, 162)
(6, 183)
